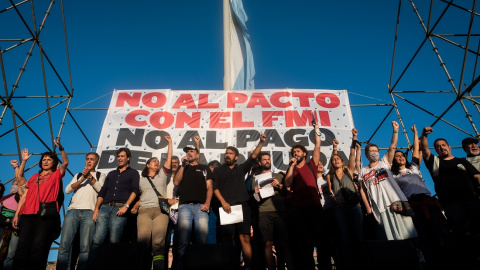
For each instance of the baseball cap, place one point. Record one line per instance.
(469, 140)
(189, 147)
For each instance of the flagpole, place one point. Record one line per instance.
(226, 45)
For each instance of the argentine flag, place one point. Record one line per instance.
(242, 69)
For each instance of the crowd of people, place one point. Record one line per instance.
(333, 209)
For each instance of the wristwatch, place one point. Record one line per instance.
(127, 205)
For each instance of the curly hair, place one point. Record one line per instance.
(51, 155)
(396, 167)
(298, 146)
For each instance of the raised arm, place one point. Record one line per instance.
(257, 150)
(334, 147)
(424, 142)
(168, 162)
(16, 167)
(393, 143)
(358, 157)
(196, 138)
(318, 142)
(19, 172)
(416, 147)
(64, 165)
(351, 157)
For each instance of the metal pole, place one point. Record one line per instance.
(226, 45)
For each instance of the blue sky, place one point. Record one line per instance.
(179, 45)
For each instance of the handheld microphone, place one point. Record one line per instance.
(291, 162)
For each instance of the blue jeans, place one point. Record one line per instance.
(188, 215)
(107, 221)
(12, 247)
(74, 220)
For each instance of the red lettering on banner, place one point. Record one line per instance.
(275, 99)
(303, 98)
(131, 118)
(237, 121)
(324, 119)
(268, 117)
(155, 120)
(183, 118)
(334, 100)
(203, 102)
(132, 100)
(184, 100)
(154, 100)
(293, 118)
(258, 99)
(218, 120)
(234, 98)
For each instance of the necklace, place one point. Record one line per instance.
(43, 177)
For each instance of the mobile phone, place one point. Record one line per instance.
(313, 119)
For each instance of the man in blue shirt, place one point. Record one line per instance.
(114, 199)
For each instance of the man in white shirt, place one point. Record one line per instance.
(86, 186)
(470, 146)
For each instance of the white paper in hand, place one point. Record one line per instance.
(235, 216)
(264, 181)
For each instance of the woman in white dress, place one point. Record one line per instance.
(381, 191)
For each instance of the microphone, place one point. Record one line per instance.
(291, 162)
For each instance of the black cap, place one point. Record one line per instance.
(187, 148)
(469, 140)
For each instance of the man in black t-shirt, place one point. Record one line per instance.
(230, 189)
(456, 182)
(195, 181)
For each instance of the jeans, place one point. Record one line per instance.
(188, 214)
(12, 247)
(107, 221)
(74, 220)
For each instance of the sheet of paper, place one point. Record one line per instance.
(235, 216)
(264, 180)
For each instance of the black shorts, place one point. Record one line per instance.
(242, 227)
(272, 226)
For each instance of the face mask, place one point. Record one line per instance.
(373, 156)
(14, 189)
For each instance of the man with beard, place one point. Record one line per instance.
(271, 215)
(195, 181)
(230, 189)
(86, 186)
(470, 146)
(456, 183)
(307, 211)
(114, 199)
